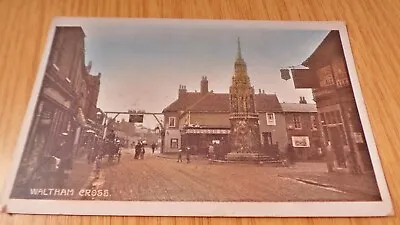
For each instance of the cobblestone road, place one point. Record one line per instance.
(162, 179)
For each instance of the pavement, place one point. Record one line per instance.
(360, 184)
(163, 179)
(82, 175)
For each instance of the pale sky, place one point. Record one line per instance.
(143, 64)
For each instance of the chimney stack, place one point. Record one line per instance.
(182, 91)
(303, 100)
(204, 85)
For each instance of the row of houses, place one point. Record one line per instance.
(67, 102)
(200, 118)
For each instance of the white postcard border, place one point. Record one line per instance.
(229, 209)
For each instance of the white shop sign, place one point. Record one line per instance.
(301, 141)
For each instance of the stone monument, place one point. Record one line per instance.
(245, 130)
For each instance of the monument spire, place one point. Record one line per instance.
(245, 129)
(239, 50)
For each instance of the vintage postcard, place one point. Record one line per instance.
(170, 117)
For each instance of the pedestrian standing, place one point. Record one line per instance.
(330, 157)
(180, 155)
(187, 155)
(211, 152)
(153, 147)
(142, 151)
(63, 157)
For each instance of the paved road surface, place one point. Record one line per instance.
(161, 179)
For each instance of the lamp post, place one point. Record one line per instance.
(161, 131)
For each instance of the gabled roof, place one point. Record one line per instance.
(297, 107)
(330, 46)
(183, 102)
(219, 102)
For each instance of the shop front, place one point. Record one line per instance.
(53, 118)
(199, 139)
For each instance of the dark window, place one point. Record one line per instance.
(267, 138)
(174, 143)
(171, 122)
(313, 122)
(297, 122)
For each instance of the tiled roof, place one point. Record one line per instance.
(267, 103)
(297, 107)
(182, 103)
(219, 102)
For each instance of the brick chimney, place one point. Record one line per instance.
(182, 91)
(302, 100)
(204, 85)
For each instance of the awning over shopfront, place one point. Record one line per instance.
(206, 131)
(81, 119)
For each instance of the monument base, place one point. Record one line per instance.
(242, 156)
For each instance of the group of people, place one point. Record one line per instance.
(110, 146)
(139, 150)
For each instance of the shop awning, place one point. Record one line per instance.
(207, 131)
(81, 118)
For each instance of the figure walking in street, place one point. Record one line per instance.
(180, 155)
(138, 149)
(153, 147)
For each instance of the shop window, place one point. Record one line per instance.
(267, 138)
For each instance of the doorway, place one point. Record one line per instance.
(336, 139)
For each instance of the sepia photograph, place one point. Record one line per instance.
(196, 118)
